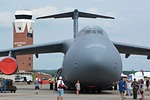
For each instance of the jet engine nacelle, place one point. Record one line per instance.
(8, 65)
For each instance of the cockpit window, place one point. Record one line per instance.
(88, 31)
(91, 30)
(94, 31)
(100, 31)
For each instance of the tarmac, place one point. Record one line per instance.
(27, 92)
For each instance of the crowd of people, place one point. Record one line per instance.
(126, 87)
(60, 86)
(138, 87)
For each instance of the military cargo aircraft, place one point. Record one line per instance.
(90, 56)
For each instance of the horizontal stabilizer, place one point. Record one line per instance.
(63, 15)
(72, 14)
(88, 15)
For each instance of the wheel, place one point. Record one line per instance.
(93, 90)
(99, 90)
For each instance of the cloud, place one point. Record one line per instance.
(6, 19)
(93, 10)
(68, 9)
(107, 23)
(48, 10)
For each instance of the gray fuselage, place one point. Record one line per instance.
(92, 59)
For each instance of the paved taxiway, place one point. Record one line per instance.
(26, 92)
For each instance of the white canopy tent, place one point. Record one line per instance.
(123, 75)
(139, 75)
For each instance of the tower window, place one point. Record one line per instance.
(19, 28)
(23, 16)
(29, 35)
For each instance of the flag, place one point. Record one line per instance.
(142, 72)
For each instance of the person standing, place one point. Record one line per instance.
(77, 85)
(4, 83)
(121, 84)
(36, 82)
(51, 83)
(40, 83)
(147, 84)
(135, 87)
(125, 87)
(129, 87)
(141, 88)
(60, 88)
(56, 79)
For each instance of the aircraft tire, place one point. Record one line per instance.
(99, 90)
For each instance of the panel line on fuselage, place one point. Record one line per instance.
(95, 45)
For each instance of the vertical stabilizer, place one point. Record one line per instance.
(75, 15)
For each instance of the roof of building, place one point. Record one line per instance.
(24, 12)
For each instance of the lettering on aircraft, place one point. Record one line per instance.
(95, 45)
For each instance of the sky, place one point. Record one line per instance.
(131, 25)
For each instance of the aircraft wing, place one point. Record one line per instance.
(132, 49)
(36, 49)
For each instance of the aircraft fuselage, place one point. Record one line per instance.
(93, 60)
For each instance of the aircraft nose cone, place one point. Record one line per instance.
(96, 63)
(101, 66)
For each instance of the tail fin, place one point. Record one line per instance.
(75, 15)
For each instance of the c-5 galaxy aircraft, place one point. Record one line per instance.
(90, 56)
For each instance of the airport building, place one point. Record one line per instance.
(23, 36)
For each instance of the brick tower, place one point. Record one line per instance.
(23, 36)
